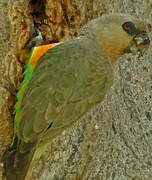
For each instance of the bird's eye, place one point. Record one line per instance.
(129, 27)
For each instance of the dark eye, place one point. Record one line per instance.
(130, 28)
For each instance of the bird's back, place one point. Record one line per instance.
(67, 81)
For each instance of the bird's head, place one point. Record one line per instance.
(119, 34)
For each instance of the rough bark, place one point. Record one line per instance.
(114, 140)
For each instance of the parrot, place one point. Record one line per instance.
(65, 80)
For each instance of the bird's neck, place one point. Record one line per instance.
(112, 48)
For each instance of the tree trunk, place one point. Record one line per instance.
(114, 140)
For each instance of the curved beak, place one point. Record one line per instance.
(139, 44)
(142, 38)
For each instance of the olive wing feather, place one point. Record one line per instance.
(67, 81)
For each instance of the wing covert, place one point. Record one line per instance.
(67, 81)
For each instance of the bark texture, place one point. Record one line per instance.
(114, 140)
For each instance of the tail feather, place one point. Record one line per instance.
(18, 162)
(22, 163)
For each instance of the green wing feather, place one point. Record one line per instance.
(27, 75)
